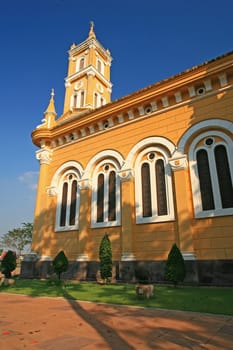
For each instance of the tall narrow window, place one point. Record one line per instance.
(106, 195)
(154, 195)
(211, 170)
(95, 100)
(81, 63)
(63, 204)
(68, 202)
(73, 203)
(100, 199)
(112, 196)
(224, 177)
(82, 99)
(146, 191)
(205, 180)
(161, 187)
(99, 66)
(75, 100)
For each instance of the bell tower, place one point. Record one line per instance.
(88, 83)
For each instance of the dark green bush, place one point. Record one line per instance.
(175, 266)
(105, 256)
(8, 263)
(60, 264)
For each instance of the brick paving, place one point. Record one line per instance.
(59, 324)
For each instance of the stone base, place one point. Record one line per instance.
(204, 272)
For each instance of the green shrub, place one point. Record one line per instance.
(60, 264)
(8, 263)
(105, 256)
(175, 267)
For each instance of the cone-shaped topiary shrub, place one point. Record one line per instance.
(60, 264)
(105, 256)
(175, 267)
(8, 263)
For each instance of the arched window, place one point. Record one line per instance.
(75, 101)
(98, 100)
(96, 104)
(81, 98)
(100, 66)
(211, 169)
(154, 195)
(68, 202)
(78, 99)
(80, 64)
(106, 195)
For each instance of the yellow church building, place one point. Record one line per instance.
(150, 169)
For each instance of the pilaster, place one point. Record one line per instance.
(127, 188)
(184, 229)
(44, 156)
(84, 221)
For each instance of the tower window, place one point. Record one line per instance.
(78, 99)
(82, 99)
(100, 66)
(80, 64)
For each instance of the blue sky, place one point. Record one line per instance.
(149, 40)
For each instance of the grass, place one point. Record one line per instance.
(214, 300)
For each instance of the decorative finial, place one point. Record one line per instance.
(51, 108)
(91, 32)
(92, 25)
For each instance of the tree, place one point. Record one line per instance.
(175, 267)
(60, 264)
(18, 238)
(105, 256)
(8, 263)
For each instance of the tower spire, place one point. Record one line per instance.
(91, 31)
(50, 113)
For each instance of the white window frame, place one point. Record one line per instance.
(78, 63)
(197, 203)
(138, 186)
(78, 99)
(98, 60)
(99, 99)
(97, 172)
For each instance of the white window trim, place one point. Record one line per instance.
(78, 63)
(78, 101)
(99, 98)
(67, 227)
(197, 203)
(56, 183)
(138, 193)
(106, 223)
(101, 65)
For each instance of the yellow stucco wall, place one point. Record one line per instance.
(207, 238)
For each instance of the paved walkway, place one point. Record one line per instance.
(58, 324)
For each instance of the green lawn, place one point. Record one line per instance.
(199, 299)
